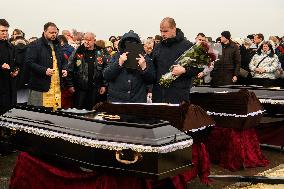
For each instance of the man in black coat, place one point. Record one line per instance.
(40, 58)
(173, 45)
(21, 46)
(86, 75)
(8, 72)
(8, 69)
(227, 68)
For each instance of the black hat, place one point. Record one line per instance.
(226, 34)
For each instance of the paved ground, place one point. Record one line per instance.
(6, 168)
(276, 158)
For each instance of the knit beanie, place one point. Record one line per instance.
(226, 34)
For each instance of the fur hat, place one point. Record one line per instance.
(226, 34)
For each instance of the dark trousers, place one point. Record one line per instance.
(265, 82)
(222, 77)
(86, 99)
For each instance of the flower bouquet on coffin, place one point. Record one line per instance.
(199, 55)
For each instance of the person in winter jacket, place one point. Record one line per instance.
(86, 68)
(125, 84)
(21, 46)
(66, 93)
(173, 45)
(47, 66)
(263, 65)
(227, 68)
(8, 69)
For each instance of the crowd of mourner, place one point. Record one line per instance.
(63, 69)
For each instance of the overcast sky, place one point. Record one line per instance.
(115, 17)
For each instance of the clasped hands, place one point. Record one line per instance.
(259, 70)
(50, 71)
(6, 66)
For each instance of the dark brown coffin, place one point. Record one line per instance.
(184, 116)
(160, 150)
(271, 99)
(230, 108)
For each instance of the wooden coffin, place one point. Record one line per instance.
(120, 144)
(232, 108)
(272, 99)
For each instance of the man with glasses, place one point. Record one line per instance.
(8, 70)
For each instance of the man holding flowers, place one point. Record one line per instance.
(176, 61)
(173, 45)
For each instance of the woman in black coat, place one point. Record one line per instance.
(125, 84)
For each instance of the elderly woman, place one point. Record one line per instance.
(264, 65)
(149, 46)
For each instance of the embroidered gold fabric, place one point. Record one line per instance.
(52, 98)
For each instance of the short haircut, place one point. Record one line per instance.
(218, 39)
(171, 22)
(260, 36)
(209, 39)
(250, 36)
(100, 43)
(4, 23)
(158, 37)
(200, 34)
(48, 24)
(65, 32)
(148, 41)
(91, 34)
(62, 38)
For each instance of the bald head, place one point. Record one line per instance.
(168, 28)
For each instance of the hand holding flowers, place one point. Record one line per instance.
(197, 56)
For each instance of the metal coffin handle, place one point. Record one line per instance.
(119, 154)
